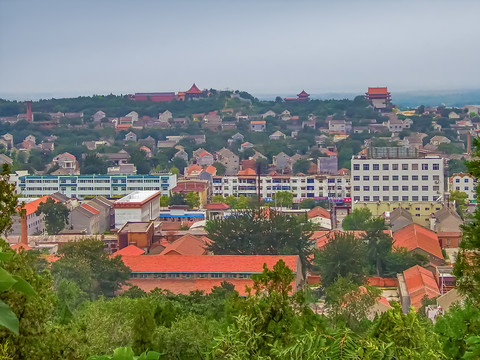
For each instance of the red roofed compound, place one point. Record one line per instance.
(182, 274)
(379, 97)
(155, 97)
(186, 245)
(421, 240)
(414, 284)
(194, 93)
(303, 96)
(130, 250)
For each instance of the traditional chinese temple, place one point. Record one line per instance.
(379, 97)
(303, 96)
(194, 93)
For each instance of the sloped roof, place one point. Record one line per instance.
(303, 93)
(217, 206)
(207, 263)
(130, 250)
(420, 283)
(247, 171)
(186, 245)
(414, 237)
(258, 122)
(319, 211)
(32, 206)
(211, 169)
(193, 168)
(377, 91)
(194, 90)
(90, 208)
(19, 246)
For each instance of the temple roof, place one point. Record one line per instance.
(303, 94)
(378, 91)
(194, 90)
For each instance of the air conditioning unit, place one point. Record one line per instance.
(436, 181)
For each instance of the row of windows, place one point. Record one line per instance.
(396, 188)
(465, 180)
(190, 276)
(394, 198)
(396, 177)
(404, 167)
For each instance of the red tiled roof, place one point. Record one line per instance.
(193, 168)
(211, 169)
(19, 246)
(204, 152)
(186, 187)
(247, 172)
(32, 206)
(322, 237)
(258, 122)
(319, 211)
(415, 236)
(194, 90)
(185, 286)
(130, 250)
(420, 283)
(331, 153)
(90, 208)
(377, 91)
(246, 143)
(217, 206)
(186, 245)
(303, 93)
(206, 263)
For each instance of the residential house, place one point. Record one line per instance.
(199, 139)
(453, 115)
(328, 164)
(122, 169)
(285, 115)
(415, 284)
(4, 159)
(68, 162)
(86, 219)
(105, 208)
(98, 116)
(74, 115)
(339, 126)
(447, 224)
(420, 240)
(121, 157)
(201, 187)
(182, 154)
(258, 126)
(204, 158)
(282, 162)
(181, 122)
(277, 135)
(465, 183)
(269, 113)
(47, 146)
(166, 116)
(236, 138)
(230, 160)
(31, 138)
(217, 211)
(35, 223)
(133, 115)
(149, 142)
(321, 217)
(437, 140)
(246, 145)
(183, 274)
(147, 151)
(131, 136)
(241, 116)
(399, 218)
(7, 140)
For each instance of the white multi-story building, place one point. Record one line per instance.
(333, 187)
(396, 175)
(465, 183)
(138, 206)
(80, 186)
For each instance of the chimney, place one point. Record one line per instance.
(29, 111)
(469, 143)
(24, 229)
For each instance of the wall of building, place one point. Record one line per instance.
(123, 216)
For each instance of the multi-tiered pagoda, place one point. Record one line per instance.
(379, 97)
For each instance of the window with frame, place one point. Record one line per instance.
(404, 167)
(414, 188)
(436, 177)
(366, 166)
(436, 188)
(404, 188)
(386, 188)
(366, 178)
(425, 198)
(424, 166)
(376, 166)
(424, 188)
(385, 166)
(385, 177)
(356, 178)
(414, 198)
(436, 166)
(356, 188)
(414, 166)
(395, 188)
(414, 177)
(405, 177)
(376, 188)
(386, 198)
(376, 198)
(424, 177)
(404, 198)
(366, 188)
(376, 178)
(394, 166)
(356, 198)
(395, 177)
(395, 198)
(457, 180)
(366, 198)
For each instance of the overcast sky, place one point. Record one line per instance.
(93, 46)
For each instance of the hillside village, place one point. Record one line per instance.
(147, 182)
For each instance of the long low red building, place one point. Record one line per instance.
(182, 274)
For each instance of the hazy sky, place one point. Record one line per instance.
(92, 46)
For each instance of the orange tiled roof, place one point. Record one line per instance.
(322, 237)
(319, 211)
(258, 122)
(193, 168)
(90, 208)
(420, 283)
(32, 206)
(377, 91)
(211, 169)
(415, 236)
(247, 172)
(206, 263)
(217, 206)
(130, 250)
(186, 245)
(194, 90)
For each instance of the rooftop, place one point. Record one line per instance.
(139, 227)
(137, 197)
(415, 236)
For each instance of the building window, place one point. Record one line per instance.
(414, 198)
(385, 166)
(414, 188)
(376, 198)
(436, 177)
(424, 166)
(457, 180)
(356, 178)
(377, 188)
(395, 177)
(425, 177)
(385, 198)
(356, 166)
(356, 188)
(465, 180)
(404, 188)
(394, 166)
(405, 177)
(425, 198)
(414, 166)
(404, 166)
(366, 188)
(385, 177)
(376, 166)
(366, 198)
(366, 167)
(356, 198)
(404, 198)
(395, 198)
(436, 166)
(414, 177)
(376, 178)
(386, 188)
(216, 276)
(436, 188)
(424, 188)
(395, 188)
(366, 178)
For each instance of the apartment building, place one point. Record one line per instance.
(386, 178)
(81, 186)
(465, 183)
(333, 187)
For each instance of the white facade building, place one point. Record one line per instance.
(79, 186)
(465, 183)
(396, 175)
(333, 187)
(139, 206)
